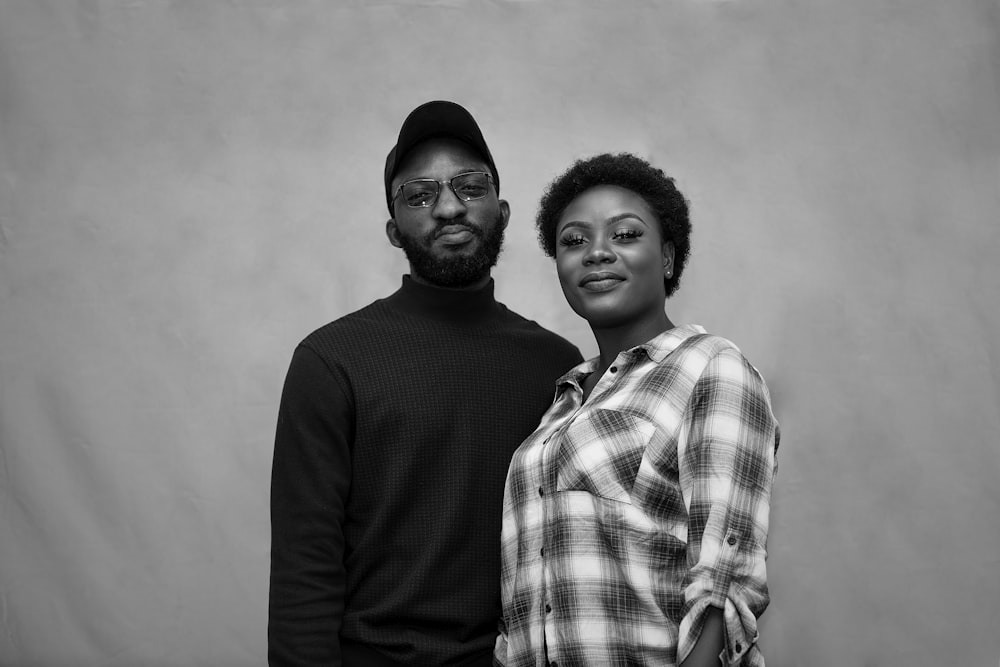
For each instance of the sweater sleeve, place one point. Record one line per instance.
(310, 480)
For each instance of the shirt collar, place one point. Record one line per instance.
(659, 347)
(656, 349)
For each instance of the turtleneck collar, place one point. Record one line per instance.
(452, 305)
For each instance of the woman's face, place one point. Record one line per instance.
(611, 258)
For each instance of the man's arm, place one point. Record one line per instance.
(310, 479)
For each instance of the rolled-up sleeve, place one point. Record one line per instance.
(727, 467)
(500, 649)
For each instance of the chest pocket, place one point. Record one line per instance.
(601, 453)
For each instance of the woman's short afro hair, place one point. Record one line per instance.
(632, 173)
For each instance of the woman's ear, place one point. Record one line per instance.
(668, 259)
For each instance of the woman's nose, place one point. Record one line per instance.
(599, 253)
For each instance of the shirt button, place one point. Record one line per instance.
(541, 552)
(548, 609)
(614, 369)
(731, 540)
(541, 491)
(739, 647)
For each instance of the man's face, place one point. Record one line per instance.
(452, 243)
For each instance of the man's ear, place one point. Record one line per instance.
(392, 232)
(504, 213)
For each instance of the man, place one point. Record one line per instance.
(396, 426)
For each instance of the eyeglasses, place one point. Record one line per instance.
(423, 192)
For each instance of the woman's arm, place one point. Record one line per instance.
(726, 470)
(709, 646)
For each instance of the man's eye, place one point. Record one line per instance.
(418, 199)
(472, 190)
(418, 195)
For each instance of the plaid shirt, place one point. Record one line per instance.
(626, 516)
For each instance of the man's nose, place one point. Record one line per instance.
(448, 205)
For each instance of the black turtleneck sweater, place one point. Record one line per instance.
(396, 426)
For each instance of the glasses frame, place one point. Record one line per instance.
(450, 184)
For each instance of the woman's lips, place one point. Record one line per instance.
(601, 281)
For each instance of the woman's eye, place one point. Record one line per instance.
(627, 234)
(571, 240)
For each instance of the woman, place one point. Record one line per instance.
(635, 516)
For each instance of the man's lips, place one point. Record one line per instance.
(600, 281)
(455, 234)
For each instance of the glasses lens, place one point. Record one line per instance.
(420, 193)
(471, 186)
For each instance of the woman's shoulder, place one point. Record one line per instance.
(694, 339)
(696, 351)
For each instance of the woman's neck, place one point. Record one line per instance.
(612, 340)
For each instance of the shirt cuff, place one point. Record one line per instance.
(500, 651)
(741, 633)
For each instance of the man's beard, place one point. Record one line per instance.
(459, 270)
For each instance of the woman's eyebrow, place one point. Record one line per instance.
(610, 221)
(574, 223)
(624, 216)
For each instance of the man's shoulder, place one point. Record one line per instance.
(516, 319)
(538, 334)
(348, 331)
(366, 316)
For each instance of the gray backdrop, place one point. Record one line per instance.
(187, 189)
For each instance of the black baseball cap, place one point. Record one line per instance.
(435, 119)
